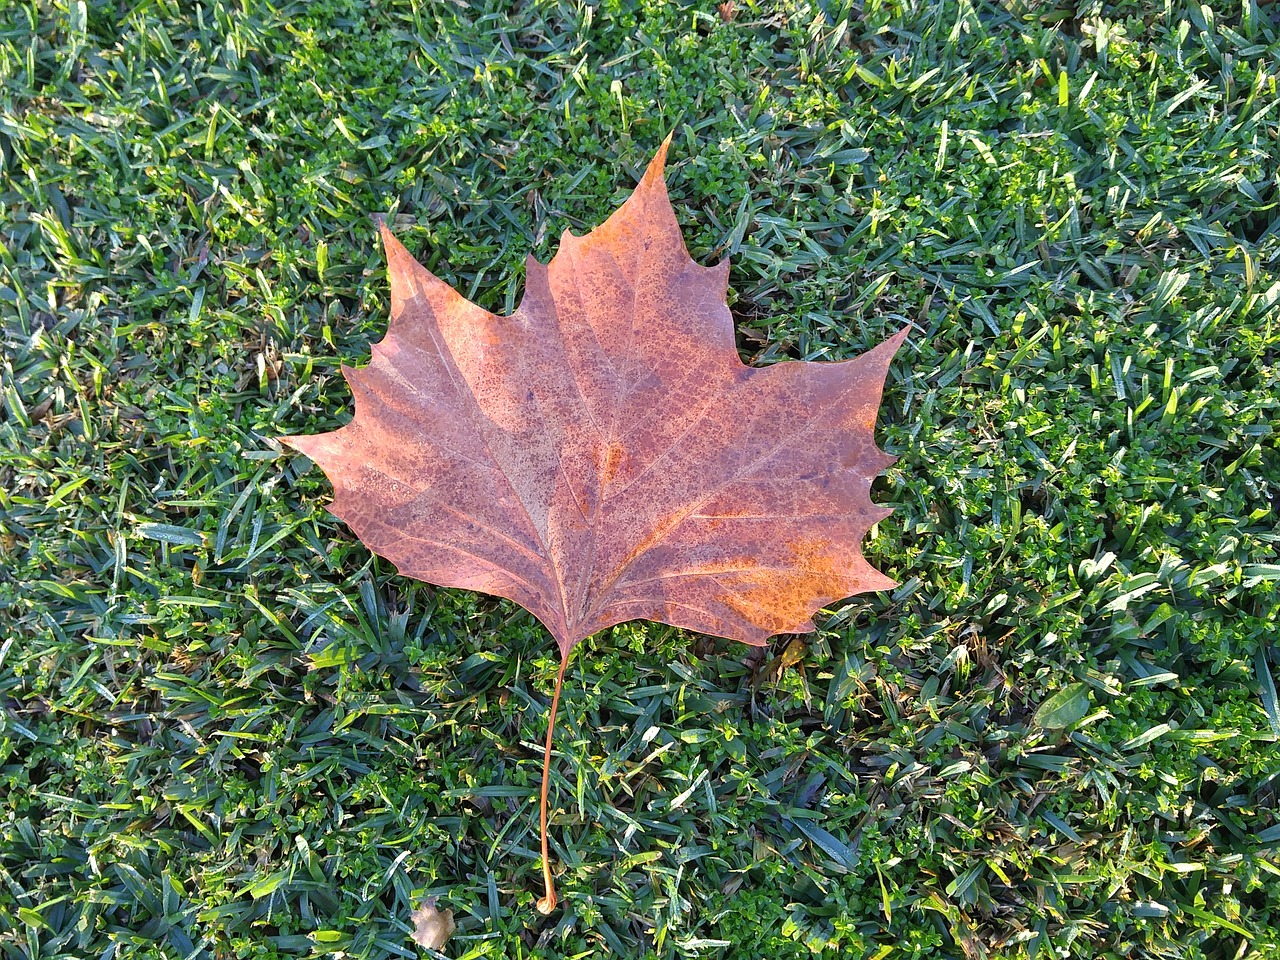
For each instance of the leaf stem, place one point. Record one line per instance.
(548, 903)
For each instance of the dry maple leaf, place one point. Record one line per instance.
(432, 927)
(603, 454)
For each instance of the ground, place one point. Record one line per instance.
(228, 731)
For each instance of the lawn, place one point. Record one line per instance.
(226, 730)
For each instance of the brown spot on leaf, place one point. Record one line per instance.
(788, 594)
(614, 453)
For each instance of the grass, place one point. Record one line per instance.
(227, 731)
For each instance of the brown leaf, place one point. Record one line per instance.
(432, 927)
(603, 454)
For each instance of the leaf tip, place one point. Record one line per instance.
(296, 444)
(666, 144)
(394, 248)
(881, 355)
(654, 173)
(319, 448)
(410, 279)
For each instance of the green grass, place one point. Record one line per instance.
(227, 731)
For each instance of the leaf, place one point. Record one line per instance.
(432, 927)
(1069, 705)
(602, 454)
